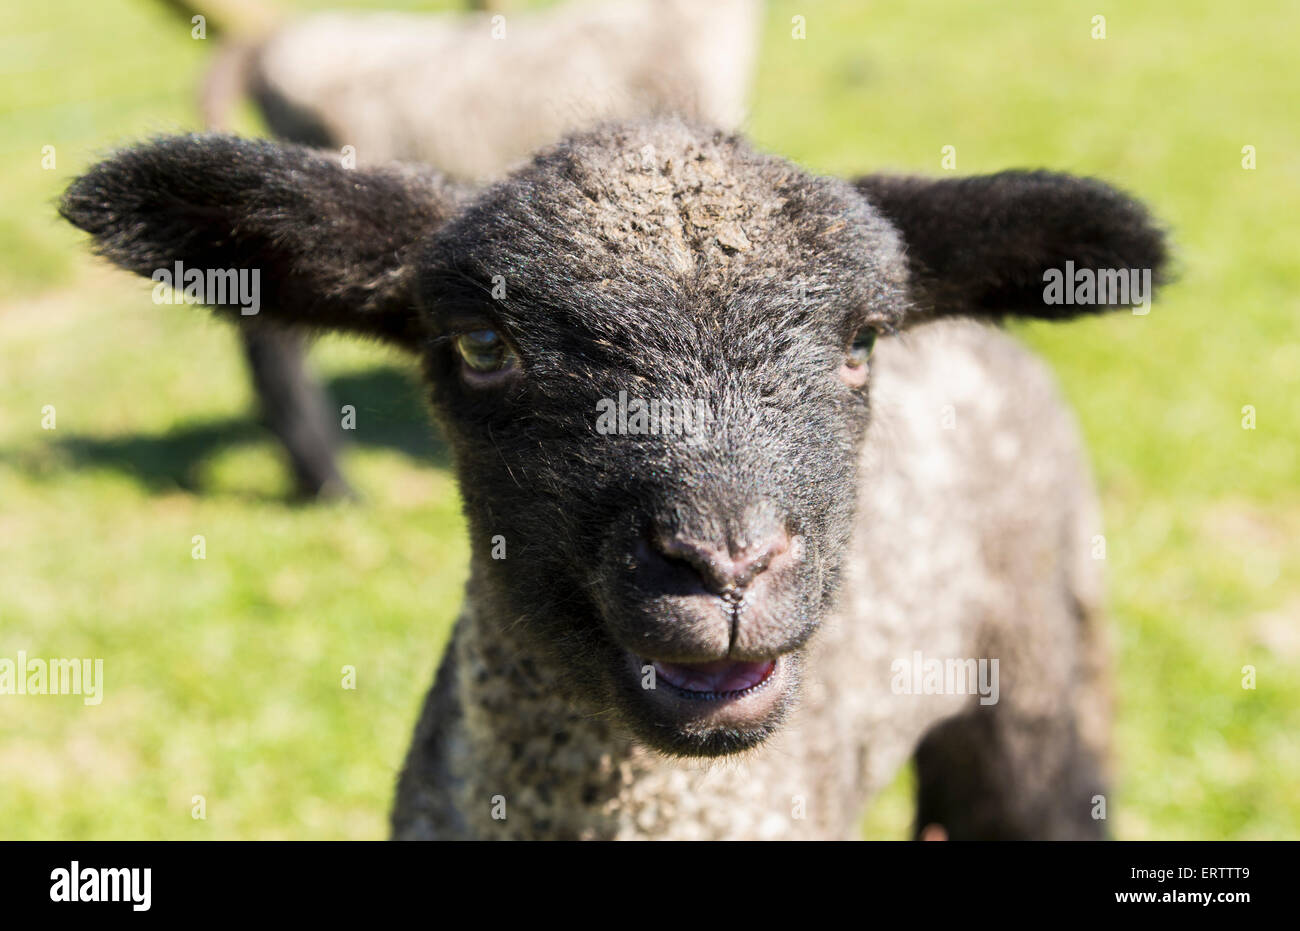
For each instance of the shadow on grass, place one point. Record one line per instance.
(390, 413)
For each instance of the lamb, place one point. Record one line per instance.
(707, 636)
(469, 98)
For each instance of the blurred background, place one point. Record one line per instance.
(222, 675)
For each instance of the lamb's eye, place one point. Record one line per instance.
(854, 370)
(484, 351)
(860, 351)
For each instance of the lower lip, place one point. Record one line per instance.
(718, 681)
(740, 698)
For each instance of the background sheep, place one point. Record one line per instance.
(473, 98)
(766, 577)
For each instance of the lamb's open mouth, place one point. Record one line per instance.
(710, 708)
(715, 681)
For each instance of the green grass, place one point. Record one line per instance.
(223, 674)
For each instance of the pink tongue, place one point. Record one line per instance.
(722, 675)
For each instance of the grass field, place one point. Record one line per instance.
(222, 675)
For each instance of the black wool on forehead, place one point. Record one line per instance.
(629, 231)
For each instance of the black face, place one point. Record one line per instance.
(668, 446)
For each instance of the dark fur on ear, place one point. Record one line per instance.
(333, 245)
(981, 245)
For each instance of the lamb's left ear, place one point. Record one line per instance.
(333, 247)
(997, 244)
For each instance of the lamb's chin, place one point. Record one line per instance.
(708, 709)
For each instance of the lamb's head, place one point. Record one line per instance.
(651, 359)
(650, 351)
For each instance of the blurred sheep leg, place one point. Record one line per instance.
(295, 408)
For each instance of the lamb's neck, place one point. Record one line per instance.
(530, 763)
(551, 768)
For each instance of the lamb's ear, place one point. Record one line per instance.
(333, 247)
(984, 245)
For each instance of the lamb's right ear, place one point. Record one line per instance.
(332, 247)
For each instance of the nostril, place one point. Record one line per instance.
(722, 572)
(759, 557)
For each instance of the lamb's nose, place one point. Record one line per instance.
(721, 571)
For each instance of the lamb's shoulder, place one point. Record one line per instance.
(971, 450)
(435, 772)
(974, 507)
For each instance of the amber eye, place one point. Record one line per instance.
(485, 352)
(860, 351)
